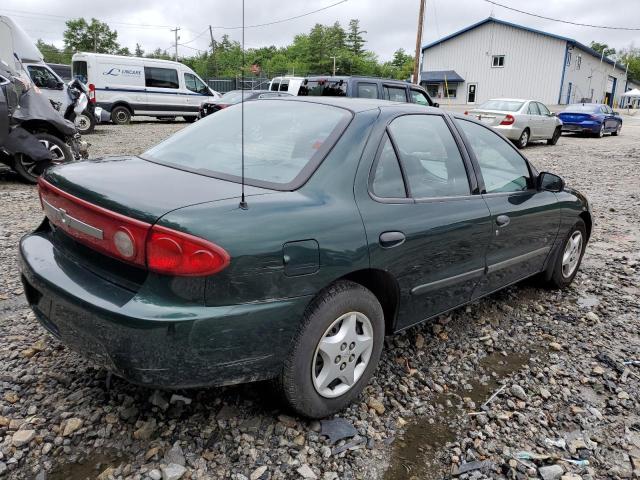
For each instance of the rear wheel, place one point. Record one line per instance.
(616, 132)
(523, 141)
(190, 119)
(335, 352)
(85, 122)
(556, 136)
(600, 133)
(569, 257)
(30, 170)
(121, 115)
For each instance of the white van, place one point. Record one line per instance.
(128, 86)
(288, 83)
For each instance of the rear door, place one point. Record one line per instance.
(425, 222)
(524, 221)
(394, 93)
(366, 90)
(163, 92)
(533, 120)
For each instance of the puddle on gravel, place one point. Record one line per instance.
(88, 467)
(417, 453)
(588, 301)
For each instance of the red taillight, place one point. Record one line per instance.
(157, 248)
(175, 253)
(508, 120)
(92, 93)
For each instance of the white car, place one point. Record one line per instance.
(128, 86)
(519, 120)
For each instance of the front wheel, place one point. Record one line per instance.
(616, 132)
(556, 136)
(30, 170)
(523, 141)
(85, 122)
(569, 257)
(335, 352)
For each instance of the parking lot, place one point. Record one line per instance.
(570, 403)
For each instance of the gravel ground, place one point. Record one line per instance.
(567, 406)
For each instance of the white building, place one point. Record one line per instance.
(494, 58)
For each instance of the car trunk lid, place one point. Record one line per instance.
(489, 117)
(574, 116)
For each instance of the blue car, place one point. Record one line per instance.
(590, 118)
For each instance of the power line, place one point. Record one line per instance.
(562, 21)
(196, 37)
(50, 16)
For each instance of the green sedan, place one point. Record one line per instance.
(356, 219)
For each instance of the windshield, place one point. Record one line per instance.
(280, 139)
(323, 88)
(580, 107)
(502, 105)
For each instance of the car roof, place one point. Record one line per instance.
(359, 104)
(358, 77)
(512, 100)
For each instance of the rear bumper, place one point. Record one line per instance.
(581, 127)
(152, 344)
(512, 132)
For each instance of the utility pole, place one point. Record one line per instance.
(334, 65)
(416, 60)
(175, 31)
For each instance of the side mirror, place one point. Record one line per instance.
(436, 105)
(550, 182)
(552, 114)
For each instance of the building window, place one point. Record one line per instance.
(451, 92)
(578, 62)
(432, 89)
(497, 61)
(568, 59)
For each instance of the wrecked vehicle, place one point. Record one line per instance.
(38, 135)
(353, 220)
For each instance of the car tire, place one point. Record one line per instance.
(29, 170)
(85, 123)
(190, 119)
(568, 257)
(346, 309)
(121, 115)
(616, 132)
(523, 141)
(600, 133)
(556, 136)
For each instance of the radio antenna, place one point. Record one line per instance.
(243, 202)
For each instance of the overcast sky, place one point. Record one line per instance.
(390, 24)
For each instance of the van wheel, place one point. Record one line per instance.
(335, 352)
(190, 119)
(121, 115)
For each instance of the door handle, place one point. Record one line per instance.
(391, 239)
(503, 220)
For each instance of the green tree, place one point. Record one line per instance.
(160, 54)
(139, 52)
(631, 56)
(354, 39)
(96, 36)
(600, 47)
(53, 54)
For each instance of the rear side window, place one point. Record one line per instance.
(430, 156)
(502, 168)
(533, 109)
(419, 97)
(323, 88)
(273, 157)
(161, 77)
(367, 90)
(275, 86)
(79, 70)
(284, 86)
(387, 178)
(395, 94)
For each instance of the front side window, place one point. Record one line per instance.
(497, 61)
(161, 77)
(42, 77)
(419, 97)
(273, 156)
(430, 156)
(502, 168)
(387, 178)
(367, 90)
(543, 109)
(395, 94)
(194, 84)
(79, 70)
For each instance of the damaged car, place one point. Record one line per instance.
(234, 252)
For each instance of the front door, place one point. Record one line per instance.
(52, 86)
(471, 93)
(525, 221)
(423, 223)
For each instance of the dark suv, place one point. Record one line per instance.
(365, 87)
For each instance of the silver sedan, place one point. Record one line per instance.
(520, 120)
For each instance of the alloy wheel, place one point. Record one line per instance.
(601, 132)
(524, 139)
(57, 156)
(571, 256)
(342, 355)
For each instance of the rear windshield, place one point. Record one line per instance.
(579, 107)
(79, 70)
(323, 88)
(501, 105)
(283, 142)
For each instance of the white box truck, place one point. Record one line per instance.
(128, 86)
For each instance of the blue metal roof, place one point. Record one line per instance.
(439, 76)
(571, 41)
